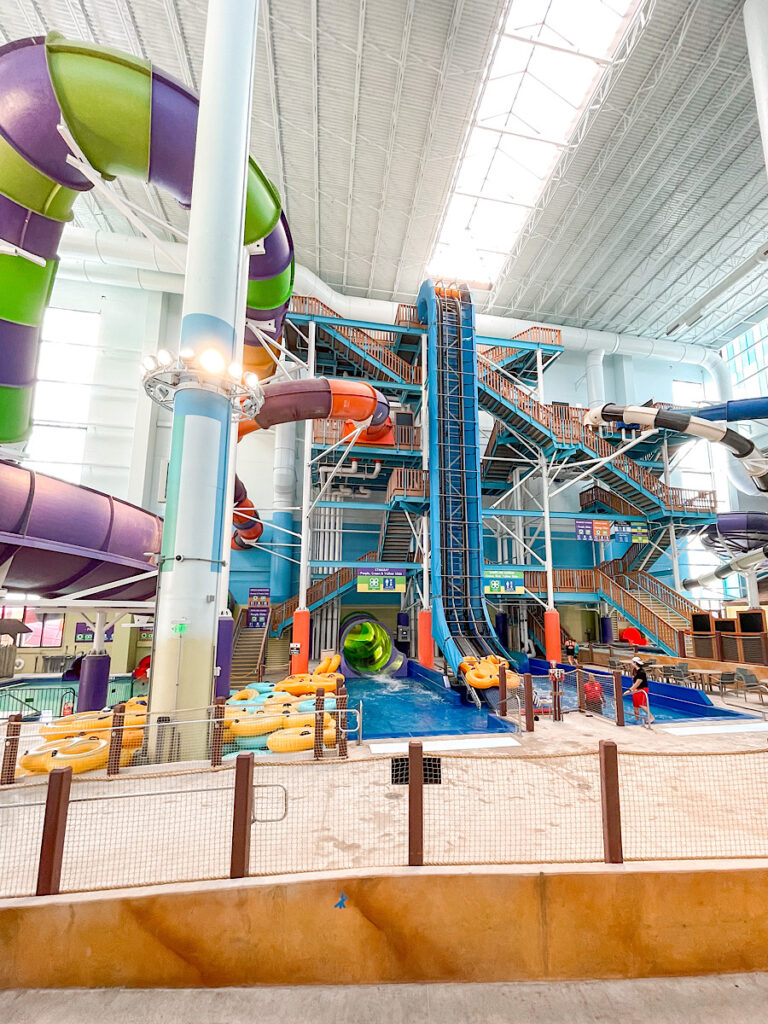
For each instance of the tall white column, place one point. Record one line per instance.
(673, 552)
(753, 595)
(426, 583)
(539, 376)
(198, 474)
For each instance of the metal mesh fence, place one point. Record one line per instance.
(143, 830)
(597, 699)
(21, 832)
(513, 810)
(694, 806)
(148, 826)
(325, 816)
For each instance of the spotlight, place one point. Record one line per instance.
(251, 380)
(187, 354)
(235, 371)
(149, 363)
(164, 357)
(212, 361)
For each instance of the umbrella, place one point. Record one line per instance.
(13, 627)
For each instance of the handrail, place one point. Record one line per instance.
(665, 594)
(330, 431)
(537, 335)
(596, 494)
(409, 483)
(327, 585)
(375, 344)
(262, 649)
(566, 425)
(594, 580)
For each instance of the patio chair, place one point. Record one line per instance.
(752, 684)
(727, 681)
(679, 675)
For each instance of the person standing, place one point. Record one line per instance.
(571, 650)
(639, 691)
(594, 698)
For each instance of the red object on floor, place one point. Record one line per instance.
(633, 636)
(140, 672)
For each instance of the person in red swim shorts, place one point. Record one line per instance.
(639, 691)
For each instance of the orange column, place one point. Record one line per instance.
(426, 644)
(552, 644)
(300, 636)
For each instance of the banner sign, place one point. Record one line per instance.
(84, 633)
(258, 607)
(601, 529)
(504, 581)
(584, 529)
(380, 581)
(640, 534)
(623, 532)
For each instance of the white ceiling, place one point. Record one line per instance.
(361, 111)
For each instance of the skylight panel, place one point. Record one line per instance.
(546, 62)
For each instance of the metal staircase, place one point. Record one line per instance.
(247, 652)
(560, 429)
(396, 536)
(369, 351)
(324, 590)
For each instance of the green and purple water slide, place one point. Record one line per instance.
(128, 118)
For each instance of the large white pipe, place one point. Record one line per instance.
(595, 377)
(100, 257)
(756, 26)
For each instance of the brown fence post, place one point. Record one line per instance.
(341, 720)
(10, 750)
(528, 689)
(581, 699)
(611, 805)
(54, 830)
(116, 739)
(242, 817)
(415, 804)
(618, 697)
(319, 721)
(217, 737)
(503, 691)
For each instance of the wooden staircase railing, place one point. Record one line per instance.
(328, 585)
(375, 344)
(566, 425)
(601, 495)
(594, 581)
(260, 657)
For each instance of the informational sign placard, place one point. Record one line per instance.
(640, 534)
(258, 607)
(601, 529)
(380, 581)
(584, 529)
(622, 532)
(84, 633)
(504, 581)
(146, 635)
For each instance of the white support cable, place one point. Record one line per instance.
(602, 462)
(337, 467)
(79, 160)
(7, 249)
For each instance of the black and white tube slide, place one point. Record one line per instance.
(750, 457)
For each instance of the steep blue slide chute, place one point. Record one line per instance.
(461, 624)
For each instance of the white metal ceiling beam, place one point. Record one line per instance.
(393, 127)
(353, 135)
(269, 44)
(316, 132)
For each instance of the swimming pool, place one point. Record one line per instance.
(409, 706)
(33, 694)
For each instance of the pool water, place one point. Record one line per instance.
(401, 707)
(48, 693)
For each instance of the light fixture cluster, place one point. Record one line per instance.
(164, 374)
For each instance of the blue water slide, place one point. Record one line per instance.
(734, 410)
(461, 625)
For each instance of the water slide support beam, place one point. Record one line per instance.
(191, 563)
(300, 632)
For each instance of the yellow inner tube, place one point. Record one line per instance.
(329, 664)
(82, 754)
(483, 677)
(257, 725)
(308, 683)
(242, 695)
(87, 721)
(290, 740)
